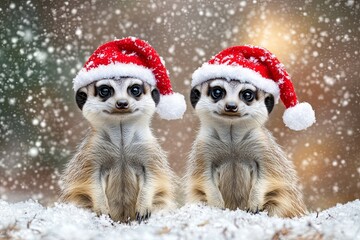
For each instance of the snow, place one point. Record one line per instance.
(31, 220)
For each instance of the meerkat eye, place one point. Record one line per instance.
(104, 91)
(247, 95)
(217, 93)
(135, 90)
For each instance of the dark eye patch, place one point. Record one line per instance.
(248, 96)
(104, 92)
(216, 93)
(136, 90)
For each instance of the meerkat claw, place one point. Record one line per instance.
(137, 217)
(142, 218)
(147, 215)
(257, 211)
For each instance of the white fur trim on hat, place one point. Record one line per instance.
(299, 117)
(113, 70)
(171, 106)
(229, 72)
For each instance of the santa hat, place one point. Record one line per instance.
(261, 68)
(133, 57)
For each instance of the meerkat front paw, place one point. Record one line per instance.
(142, 215)
(143, 209)
(254, 210)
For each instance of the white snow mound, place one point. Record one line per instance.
(31, 220)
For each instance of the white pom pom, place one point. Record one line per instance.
(299, 117)
(171, 106)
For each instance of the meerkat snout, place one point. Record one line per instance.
(231, 107)
(122, 104)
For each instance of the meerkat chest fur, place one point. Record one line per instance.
(120, 156)
(124, 134)
(235, 157)
(122, 145)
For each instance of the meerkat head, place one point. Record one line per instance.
(231, 101)
(117, 100)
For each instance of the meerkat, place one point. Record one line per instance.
(235, 161)
(120, 168)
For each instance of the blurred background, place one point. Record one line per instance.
(45, 43)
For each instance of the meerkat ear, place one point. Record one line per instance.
(269, 103)
(194, 96)
(155, 96)
(81, 98)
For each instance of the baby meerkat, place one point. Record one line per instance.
(235, 161)
(120, 169)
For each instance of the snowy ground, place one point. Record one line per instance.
(31, 220)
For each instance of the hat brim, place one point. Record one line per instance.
(113, 70)
(212, 71)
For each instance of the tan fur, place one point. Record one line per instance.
(236, 163)
(128, 179)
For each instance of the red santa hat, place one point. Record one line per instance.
(261, 68)
(133, 57)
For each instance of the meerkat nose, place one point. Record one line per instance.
(231, 107)
(122, 104)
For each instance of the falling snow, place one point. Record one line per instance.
(44, 45)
